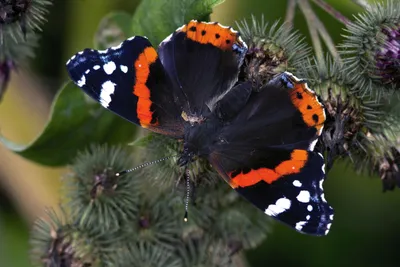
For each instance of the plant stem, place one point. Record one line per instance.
(333, 12)
(327, 39)
(290, 10)
(362, 3)
(310, 18)
(323, 33)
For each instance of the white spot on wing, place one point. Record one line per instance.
(107, 90)
(309, 208)
(323, 168)
(323, 197)
(308, 217)
(280, 206)
(168, 38)
(312, 145)
(331, 217)
(96, 67)
(87, 71)
(219, 24)
(300, 225)
(73, 57)
(131, 38)
(80, 53)
(284, 203)
(82, 81)
(109, 67)
(242, 42)
(117, 47)
(320, 184)
(297, 183)
(304, 196)
(180, 28)
(123, 68)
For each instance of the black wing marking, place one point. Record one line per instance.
(202, 60)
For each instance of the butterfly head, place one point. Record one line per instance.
(188, 155)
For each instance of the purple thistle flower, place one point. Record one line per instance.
(388, 57)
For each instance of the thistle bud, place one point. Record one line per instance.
(344, 113)
(94, 191)
(388, 57)
(271, 50)
(58, 243)
(371, 49)
(26, 14)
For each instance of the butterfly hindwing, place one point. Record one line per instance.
(129, 80)
(265, 153)
(286, 185)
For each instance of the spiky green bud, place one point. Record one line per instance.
(271, 50)
(22, 15)
(56, 242)
(95, 195)
(139, 254)
(167, 174)
(371, 49)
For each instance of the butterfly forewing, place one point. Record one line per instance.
(129, 80)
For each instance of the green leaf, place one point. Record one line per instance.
(74, 124)
(157, 19)
(113, 29)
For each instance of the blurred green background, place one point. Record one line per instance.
(365, 231)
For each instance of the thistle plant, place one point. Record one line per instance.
(371, 49)
(19, 22)
(137, 219)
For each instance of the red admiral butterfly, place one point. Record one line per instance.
(260, 140)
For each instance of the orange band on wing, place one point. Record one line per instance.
(142, 69)
(307, 103)
(298, 159)
(212, 33)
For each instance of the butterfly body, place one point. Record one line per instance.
(260, 140)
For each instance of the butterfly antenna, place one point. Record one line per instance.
(143, 165)
(185, 218)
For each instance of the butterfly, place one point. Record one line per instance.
(260, 140)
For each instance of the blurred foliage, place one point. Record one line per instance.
(72, 110)
(361, 210)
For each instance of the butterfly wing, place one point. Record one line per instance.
(202, 60)
(129, 80)
(266, 154)
(287, 185)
